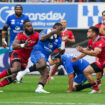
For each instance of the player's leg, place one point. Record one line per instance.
(44, 76)
(98, 78)
(79, 81)
(38, 60)
(16, 66)
(88, 73)
(8, 80)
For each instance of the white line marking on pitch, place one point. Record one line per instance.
(49, 103)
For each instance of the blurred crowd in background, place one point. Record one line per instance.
(52, 1)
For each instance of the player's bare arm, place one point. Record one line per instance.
(80, 56)
(4, 32)
(71, 77)
(17, 44)
(94, 52)
(45, 37)
(102, 29)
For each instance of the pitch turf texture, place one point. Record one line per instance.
(23, 94)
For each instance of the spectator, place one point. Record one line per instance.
(94, 0)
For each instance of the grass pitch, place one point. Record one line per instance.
(23, 94)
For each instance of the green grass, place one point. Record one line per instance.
(23, 94)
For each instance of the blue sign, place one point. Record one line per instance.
(43, 15)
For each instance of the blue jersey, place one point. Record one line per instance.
(48, 46)
(16, 25)
(77, 67)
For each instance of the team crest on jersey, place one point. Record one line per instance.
(13, 21)
(17, 28)
(50, 45)
(56, 40)
(100, 44)
(22, 21)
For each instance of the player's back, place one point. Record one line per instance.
(78, 66)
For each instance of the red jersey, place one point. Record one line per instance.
(99, 26)
(25, 52)
(100, 43)
(66, 32)
(69, 33)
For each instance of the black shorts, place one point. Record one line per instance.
(95, 67)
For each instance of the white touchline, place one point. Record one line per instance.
(49, 103)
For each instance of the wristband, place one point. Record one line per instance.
(22, 45)
(63, 45)
(3, 40)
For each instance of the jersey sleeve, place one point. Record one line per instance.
(8, 21)
(27, 18)
(18, 36)
(100, 45)
(59, 43)
(71, 35)
(68, 66)
(42, 33)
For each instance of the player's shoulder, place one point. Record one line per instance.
(99, 23)
(36, 34)
(96, 25)
(90, 41)
(20, 33)
(11, 16)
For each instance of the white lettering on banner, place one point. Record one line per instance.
(46, 16)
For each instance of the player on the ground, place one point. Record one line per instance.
(70, 40)
(96, 47)
(22, 46)
(15, 22)
(49, 40)
(72, 67)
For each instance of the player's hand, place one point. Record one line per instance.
(27, 42)
(74, 59)
(64, 38)
(4, 44)
(79, 48)
(69, 90)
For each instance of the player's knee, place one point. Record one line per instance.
(43, 65)
(17, 68)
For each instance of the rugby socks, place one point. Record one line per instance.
(40, 85)
(5, 73)
(84, 86)
(98, 81)
(95, 86)
(32, 68)
(6, 81)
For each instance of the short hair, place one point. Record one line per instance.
(55, 55)
(57, 24)
(103, 12)
(18, 6)
(95, 29)
(25, 22)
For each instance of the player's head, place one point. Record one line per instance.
(103, 16)
(64, 23)
(27, 26)
(92, 32)
(55, 57)
(18, 10)
(58, 27)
